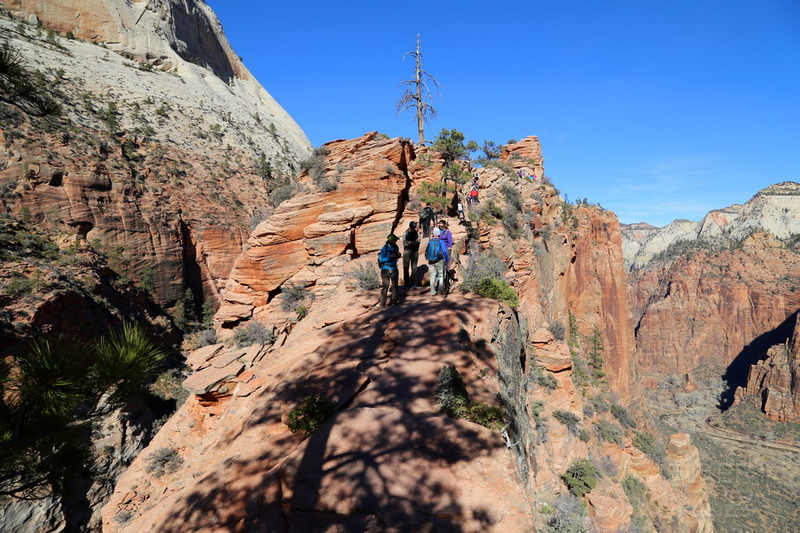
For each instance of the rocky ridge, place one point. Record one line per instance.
(774, 210)
(380, 366)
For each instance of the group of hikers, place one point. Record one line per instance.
(437, 253)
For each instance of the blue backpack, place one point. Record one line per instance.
(433, 253)
(384, 257)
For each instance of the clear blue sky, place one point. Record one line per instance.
(655, 110)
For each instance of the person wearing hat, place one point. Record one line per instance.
(387, 261)
(410, 255)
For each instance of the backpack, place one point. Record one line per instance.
(433, 253)
(385, 256)
(408, 241)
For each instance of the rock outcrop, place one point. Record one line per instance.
(773, 385)
(139, 158)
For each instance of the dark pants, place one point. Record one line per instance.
(410, 259)
(388, 276)
(426, 229)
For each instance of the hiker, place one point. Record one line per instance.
(446, 237)
(474, 195)
(437, 258)
(426, 216)
(410, 255)
(387, 261)
(460, 211)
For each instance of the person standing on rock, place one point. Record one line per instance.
(410, 255)
(436, 255)
(387, 261)
(426, 216)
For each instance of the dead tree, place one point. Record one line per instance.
(417, 95)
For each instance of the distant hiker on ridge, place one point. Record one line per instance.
(410, 255)
(387, 261)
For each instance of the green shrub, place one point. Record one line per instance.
(365, 277)
(163, 461)
(481, 265)
(581, 477)
(513, 197)
(253, 333)
(621, 414)
(511, 223)
(584, 435)
(547, 381)
(498, 290)
(608, 431)
(19, 286)
(294, 295)
(558, 330)
(315, 411)
(568, 419)
(451, 394)
(490, 212)
(568, 516)
(635, 489)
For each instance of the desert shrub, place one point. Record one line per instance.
(489, 416)
(206, 338)
(498, 290)
(294, 296)
(253, 333)
(163, 461)
(482, 265)
(365, 277)
(635, 489)
(505, 166)
(547, 381)
(568, 516)
(451, 394)
(568, 419)
(315, 411)
(558, 330)
(601, 403)
(282, 191)
(513, 197)
(490, 212)
(581, 477)
(622, 414)
(511, 223)
(584, 435)
(19, 285)
(608, 431)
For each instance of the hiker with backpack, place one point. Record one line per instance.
(410, 255)
(426, 216)
(387, 262)
(437, 258)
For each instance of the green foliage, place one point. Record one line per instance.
(491, 150)
(608, 431)
(548, 381)
(568, 419)
(498, 290)
(125, 361)
(253, 333)
(19, 240)
(558, 330)
(22, 87)
(511, 223)
(513, 196)
(315, 166)
(584, 435)
(57, 386)
(596, 353)
(451, 395)
(437, 194)
(315, 411)
(568, 516)
(480, 266)
(450, 145)
(365, 277)
(163, 461)
(581, 477)
(294, 296)
(635, 489)
(574, 334)
(490, 212)
(622, 414)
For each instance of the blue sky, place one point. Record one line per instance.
(655, 110)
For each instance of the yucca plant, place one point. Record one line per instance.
(126, 359)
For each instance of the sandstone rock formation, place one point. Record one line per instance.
(773, 385)
(774, 210)
(145, 156)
